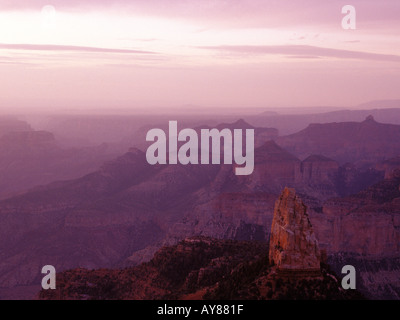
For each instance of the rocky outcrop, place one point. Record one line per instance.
(293, 245)
(209, 269)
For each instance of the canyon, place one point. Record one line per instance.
(120, 214)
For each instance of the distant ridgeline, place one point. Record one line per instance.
(188, 152)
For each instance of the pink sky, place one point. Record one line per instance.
(126, 54)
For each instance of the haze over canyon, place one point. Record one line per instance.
(76, 203)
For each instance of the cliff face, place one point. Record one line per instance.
(319, 169)
(274, 167)
(293, 244)
(364, 230)
(366, 223)
(363, 143)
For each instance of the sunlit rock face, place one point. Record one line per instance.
(293, 245)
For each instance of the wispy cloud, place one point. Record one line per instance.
(51, 47)
(245, 12)
(15, 63)
(303, 57)
(12, 61)
(304, 51)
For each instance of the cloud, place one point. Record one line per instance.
(15, 63)
(304, 51)
(51, 47)
(12, 61)
(303, 57)
(373, 16)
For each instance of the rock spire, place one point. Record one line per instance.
(293, 245)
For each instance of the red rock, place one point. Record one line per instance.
(293, 245)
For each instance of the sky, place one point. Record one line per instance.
(112, 54)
